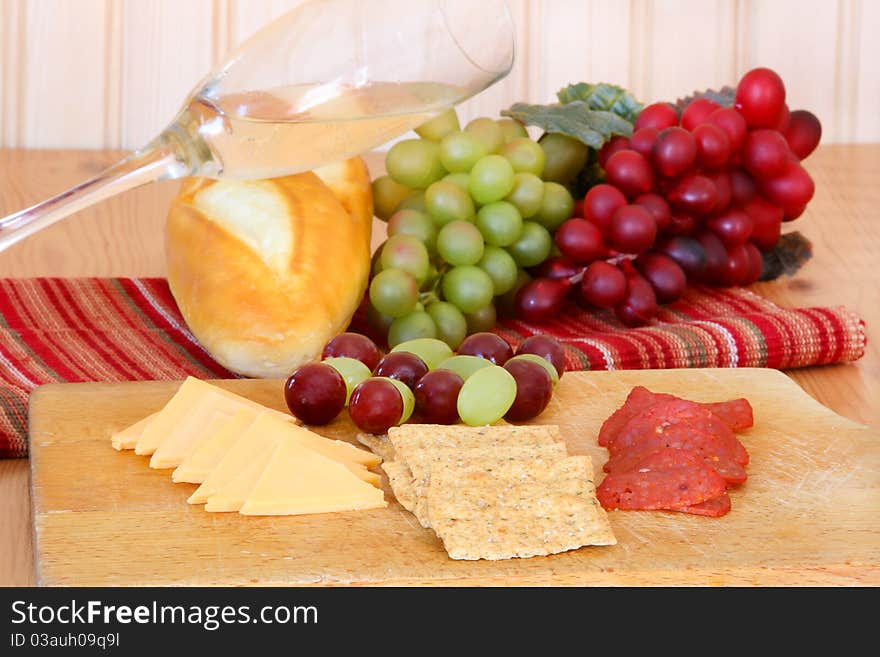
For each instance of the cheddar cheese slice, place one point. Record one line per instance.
(127, 438)
(298, 480)
(338, 450)
(199, 421)
(205, 456)
(232, 494)
(259, 438)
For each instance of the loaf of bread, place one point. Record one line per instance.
(265, 272)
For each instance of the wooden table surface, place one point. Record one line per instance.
(123, 237)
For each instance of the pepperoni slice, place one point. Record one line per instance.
(673, 422)
(703, 445)
(639, 399)
(665, 479)
(736, 413)
(714, 508)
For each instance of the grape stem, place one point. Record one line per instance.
(615, 260)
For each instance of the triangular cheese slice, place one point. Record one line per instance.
(198, 464)
(180, 406)
(298, 480)
(338, 450)
(199, 420)
(231, 495)
(127, 438)
(260, 437)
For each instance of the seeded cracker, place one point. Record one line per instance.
(379, 445)
(486, 512)
(401, 481)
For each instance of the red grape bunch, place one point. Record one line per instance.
(479, 384)
(694, 196)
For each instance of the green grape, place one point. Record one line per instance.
(440, 126)
(500, 223)
(464, 366)
(543, 362)
(460, 151)
(414, 223)
(380, 323)
(533, 245)
(430, 350)
(501, 268)
(565, 157)
(491, 179)
(415, 201)
(415, 163)
(468, 287)
(447, 202)
(450, 322)
(488, 132)
(376, 261)
(511, 129)
(387, 195)
(407, 253)
(394, 292)
(461, 179)
(486, 396)
(481, 320)
(556, 206)
(527, 194)
(406, 396)
(504, 304)
(460, 243)
(524, 155)
(352, 370)
(417, 324)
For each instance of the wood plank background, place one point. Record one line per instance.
(111, 73)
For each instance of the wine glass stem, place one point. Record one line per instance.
(156, 161)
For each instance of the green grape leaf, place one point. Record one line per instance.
(575, 119)
(604, 97)
(790, 253)
(723, 96)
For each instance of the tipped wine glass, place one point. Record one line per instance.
(324, 82)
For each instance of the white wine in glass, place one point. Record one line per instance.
(322, 83)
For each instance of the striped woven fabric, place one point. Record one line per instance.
(121, 329)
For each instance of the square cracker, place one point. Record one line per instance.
(401, 481)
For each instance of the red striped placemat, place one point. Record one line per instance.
(122, 329)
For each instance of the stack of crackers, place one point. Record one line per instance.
(494, 492)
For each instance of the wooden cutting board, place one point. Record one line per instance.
(809, 513)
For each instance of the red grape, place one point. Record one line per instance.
(617, 143)
(803, 133)
(766, 222)
(633, 229)
(737, 266)
(693, 194)
(790, 190)
(658, 207)
(723, 189)
(315, 393)
(534, 388)
(764, 153)
(547, 348)
(696, 112)
(403, 366)
(630, 172)
(353, 345)
(681, 224)
(784, 119)
(580, 240)
(375, 405)
(642, 141)
(558, 267)
(600, 203)
(657, 116)
(675, 151)
(640, 303)
(603, 284)
(756, 264)
(713, 146)
(664, 275)
(578, 209)
(742, 187)
(436, 396)
(733, 123)
(716, 256)
(687, 253)
(760, 97)
(486, 345)
(541, 299)
(734, 227)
